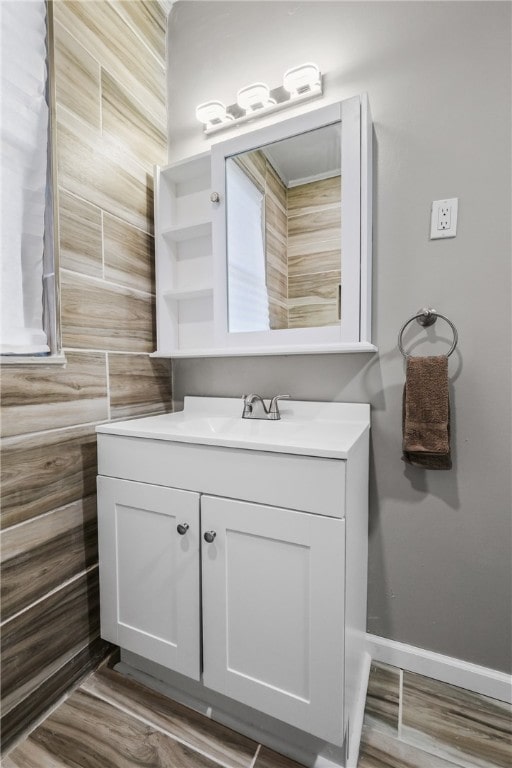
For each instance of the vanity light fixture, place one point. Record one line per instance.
(213, 114)
(299, 84)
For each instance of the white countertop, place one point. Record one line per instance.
(309, 428)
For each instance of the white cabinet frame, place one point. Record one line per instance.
(191, 254)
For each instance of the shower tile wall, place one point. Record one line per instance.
(276, 248)
(111, 130)
(303, 272)
(314, 261)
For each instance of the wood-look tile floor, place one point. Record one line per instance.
(111, 721)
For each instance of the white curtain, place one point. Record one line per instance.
(247, 290)
(24, 131)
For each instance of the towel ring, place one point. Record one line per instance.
(427, 317)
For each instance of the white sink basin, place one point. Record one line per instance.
(309, 428)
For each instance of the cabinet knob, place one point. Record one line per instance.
(182, 528)
(215, 197)
(209, 536)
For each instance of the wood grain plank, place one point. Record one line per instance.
(381, 750)
(383, 698)
(314, 257)
(48, 397)
(276, 252)
(314, 226)
(465, 727)
(277, 284)
(129, 255)
(105, 316)
(139, 385)
(275, 219)
(126, 120)
(201, 733)
(148, 21)
(305, 197)
(276, 188)
(92, 167)
(77, 77)
(31, 755)
(41, 639)
(85, 725)
(253, 164)
(41, 554)
(46, 471)
(278, 315)
(277, 273)
(113, 43)
(323, 285)
(80, 236)
(313, 315)
(313, 300)
(18, 719)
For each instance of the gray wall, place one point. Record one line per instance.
(438, 79)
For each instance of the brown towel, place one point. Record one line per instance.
(426, 413)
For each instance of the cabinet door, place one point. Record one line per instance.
(273, 612)
(149, 573)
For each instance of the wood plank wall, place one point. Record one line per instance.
(111, 130)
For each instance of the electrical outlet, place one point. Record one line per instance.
(443, 221)
(444, 217)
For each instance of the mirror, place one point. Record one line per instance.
(283, 224)
(291, 234)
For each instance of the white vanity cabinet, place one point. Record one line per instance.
(232, 557)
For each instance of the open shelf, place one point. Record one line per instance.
(180, 232)
(183, 245)
(182, 294)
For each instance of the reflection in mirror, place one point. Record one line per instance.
(284, 233)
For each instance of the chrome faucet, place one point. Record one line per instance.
(255, 408)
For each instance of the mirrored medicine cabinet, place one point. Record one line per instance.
(263, 245)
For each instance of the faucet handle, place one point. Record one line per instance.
(273, 411)
(247, 407)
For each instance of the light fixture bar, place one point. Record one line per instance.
(299, 84)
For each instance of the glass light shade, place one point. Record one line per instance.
(212, 113)
(299, 80)
(255, 96)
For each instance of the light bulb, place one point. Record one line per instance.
(212, 113)
(300, 80)
(253, 97)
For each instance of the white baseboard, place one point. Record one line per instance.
(488, 682)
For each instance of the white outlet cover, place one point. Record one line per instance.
(443, 222)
